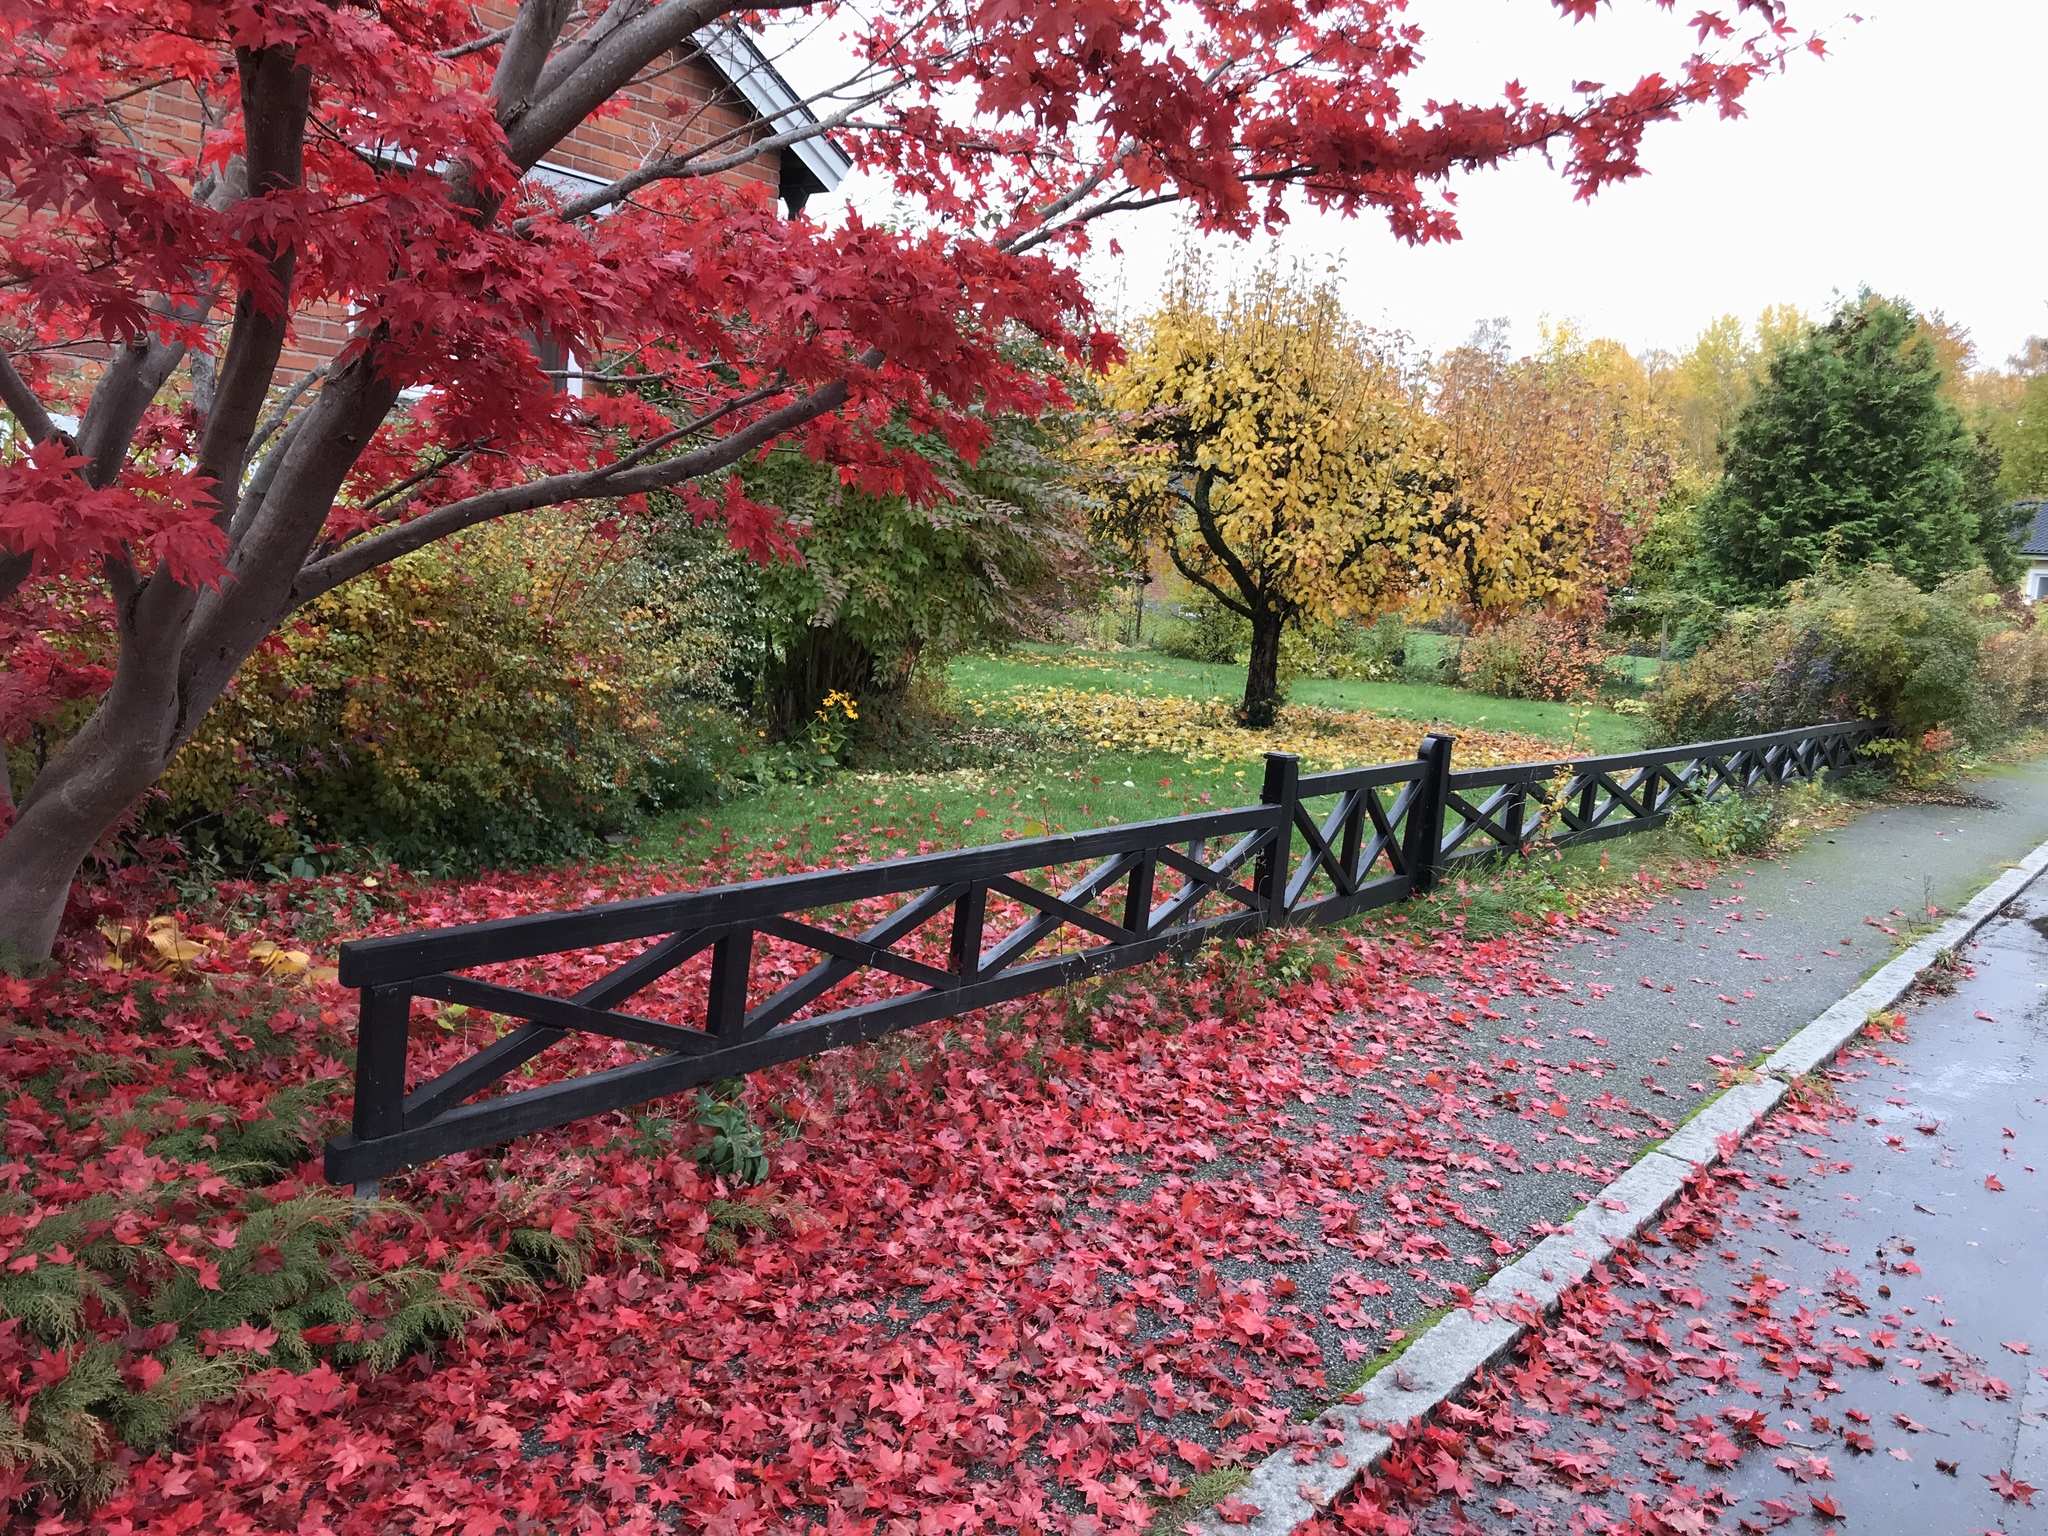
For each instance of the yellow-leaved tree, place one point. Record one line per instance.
(1559, 461)
(1706, 386)
(1266, 445)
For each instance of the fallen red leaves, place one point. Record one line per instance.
(2011, 1489)
(997, 1278)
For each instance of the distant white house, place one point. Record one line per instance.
(2034, 545)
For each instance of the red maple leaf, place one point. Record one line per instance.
(2011, 1489)
(1232, 1510)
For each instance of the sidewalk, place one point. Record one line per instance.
(1562, 1090)
(1846, 1327)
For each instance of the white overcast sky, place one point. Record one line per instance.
(1909, 160)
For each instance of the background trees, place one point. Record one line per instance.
(1708, 384)
(373, 169)
(1265, 446)
(885, 582)
(1849, 451)
(1559, 459)
(2019, 431)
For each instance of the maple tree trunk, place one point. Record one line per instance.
(80, 792)
(1262, 672)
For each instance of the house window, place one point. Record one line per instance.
(2037, 584)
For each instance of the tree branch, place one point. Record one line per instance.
(258, 489)
(478, 45)
(1180, 564)
(564, 97)
(609, 480)
(123, 393)
(530, 39)
(276, 101)
(572, 54)
(690, 166)
(274, 423)
(1205, 519)
(22, 401)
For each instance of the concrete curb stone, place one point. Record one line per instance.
(1293, 1484)
(1817, 1043)
(1697, 1143)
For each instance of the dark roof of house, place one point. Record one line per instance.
(2034, 538)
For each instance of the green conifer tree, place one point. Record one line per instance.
(1848, 450)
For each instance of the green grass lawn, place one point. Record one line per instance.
(853, 815)
(983, 678)
(856, 815)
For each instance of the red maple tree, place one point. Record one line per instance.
(374, 161)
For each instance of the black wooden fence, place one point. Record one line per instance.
(881, 947)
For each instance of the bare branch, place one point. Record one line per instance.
(276, 101)
(419, 476)
(258, 489)
(689, 166)
(277, 418)
(533, 34)
(1123, 200)
(1077, 194)
(123, 393)
(464, 50)
(571, 55)
(564, 98)
(691, 428)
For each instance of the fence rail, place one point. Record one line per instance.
(773, 970)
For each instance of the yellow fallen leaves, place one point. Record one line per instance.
(1205, 730)
(280, 964)
(158, 945)
(162, 945)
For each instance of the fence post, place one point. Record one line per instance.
(383, 1020)
(969, 913)
(1276, 859)
(1517, 817)
(1423, 836)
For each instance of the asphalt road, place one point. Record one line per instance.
(1875, 1303)
(1631, 1045)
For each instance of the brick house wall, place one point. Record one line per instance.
(685, 101)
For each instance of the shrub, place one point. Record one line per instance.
(497, 699)
(1733, 825)
(1205, 631)
(1918, 762)
(887, 583)
(1535, 656)
(2012, 667)
(1383, 652)
(1868, 646)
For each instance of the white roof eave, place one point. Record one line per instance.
(743, 63)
